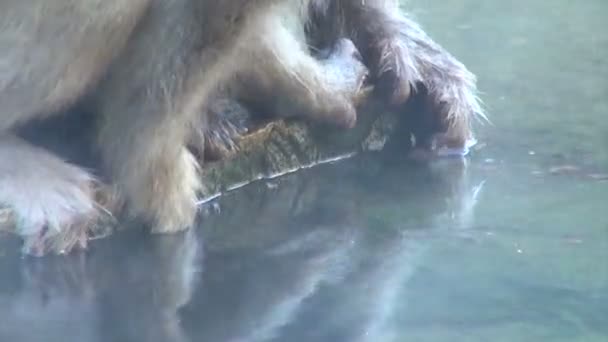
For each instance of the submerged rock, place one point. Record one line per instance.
(281, 147)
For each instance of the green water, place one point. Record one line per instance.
(511, 246)
(541, 272)
(540, 269)
(541, 66)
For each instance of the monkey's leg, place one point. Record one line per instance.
(284, 70)
(53, 202)
(400, 54)
(143, 148)
(147, 104)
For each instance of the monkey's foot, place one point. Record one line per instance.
(54, 205)
(79, 212)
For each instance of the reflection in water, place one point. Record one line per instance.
(141, 301)
(44, 301)
(320, 274)
(291, 259)
(125, 290)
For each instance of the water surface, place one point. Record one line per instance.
(510, 246)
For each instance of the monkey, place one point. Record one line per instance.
(264, 91)
(144, 97)
(52, 52)
(404, 63)
(408, 69)
(230, 35)
(150, 67)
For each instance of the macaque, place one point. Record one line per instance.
(148, 68)
(324, 90)
(403, 62)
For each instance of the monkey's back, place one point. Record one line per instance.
(51, 51)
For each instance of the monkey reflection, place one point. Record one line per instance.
(130, 289)
(315, 263)
(323, 269)
(145, 289)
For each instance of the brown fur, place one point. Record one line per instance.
(325, 90)
(51, 53)
(157, 61)
(402, 59)
(152, 65)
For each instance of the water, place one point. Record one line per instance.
(512, 246)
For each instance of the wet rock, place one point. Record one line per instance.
(281, 147)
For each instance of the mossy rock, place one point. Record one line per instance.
(276, 148)
(281, 147)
